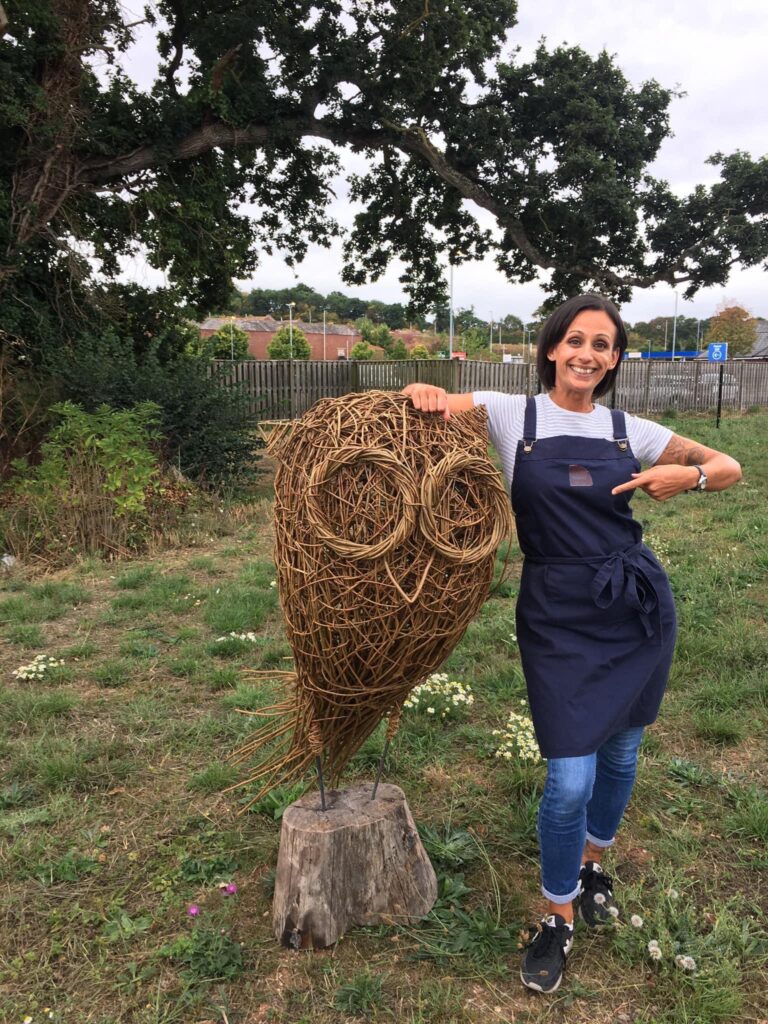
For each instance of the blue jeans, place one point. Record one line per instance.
(584, 798)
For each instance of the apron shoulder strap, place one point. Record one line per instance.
(619, 429)
(529, 424)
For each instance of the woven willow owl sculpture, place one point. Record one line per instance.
(387, 522)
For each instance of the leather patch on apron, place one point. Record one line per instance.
(578, 476)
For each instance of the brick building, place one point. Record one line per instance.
(337, 344)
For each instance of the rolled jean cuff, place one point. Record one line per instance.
(560, 899)
(603, 843)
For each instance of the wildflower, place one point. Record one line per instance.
(685, 963)
(430, 711)
(273, 584)
(636, 921)
(599, 897)
(28, 1019)
(193, 910)
(228, 888)
(654, 950)
(672, 894)
(613, 911)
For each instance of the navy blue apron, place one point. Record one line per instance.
(595, 615)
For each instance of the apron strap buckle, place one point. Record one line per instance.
(528, 446)
(623, 443)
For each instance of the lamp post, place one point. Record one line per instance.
(290, 326)
(232, 338)
(324, 309)
(674, 330)
(490, 334)
(450, 311)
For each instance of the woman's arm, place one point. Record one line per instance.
(429, 398)
(675, 471)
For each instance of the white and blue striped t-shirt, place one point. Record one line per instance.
(506, 414)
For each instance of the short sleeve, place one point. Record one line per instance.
(647, 439)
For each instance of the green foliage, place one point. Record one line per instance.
(736, 326)
(208, 954)
(557, 148)
(89, 491)
(398, 350)
(361, 995)
(448, 848)
(203, 421)
(289, 343)
(274, 803)
(419, 352)
(361, 351)
(229, 342)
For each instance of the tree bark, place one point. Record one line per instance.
(360, 862)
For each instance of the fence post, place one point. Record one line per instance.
(354, 381)
(647, 396)
(456, 376)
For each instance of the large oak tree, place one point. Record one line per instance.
(259, 101)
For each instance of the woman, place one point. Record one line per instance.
(595, 615)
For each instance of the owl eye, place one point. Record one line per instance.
(362, 502)
(465, 512)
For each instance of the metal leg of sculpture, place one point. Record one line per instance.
(319, 764)
(380, 768)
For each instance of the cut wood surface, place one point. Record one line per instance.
(359, 862)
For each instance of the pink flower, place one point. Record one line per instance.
(193, 910)
(230, 889)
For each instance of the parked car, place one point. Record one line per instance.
(709, 383)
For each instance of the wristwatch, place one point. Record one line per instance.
(701, 483)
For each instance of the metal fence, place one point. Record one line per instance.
(285, 389)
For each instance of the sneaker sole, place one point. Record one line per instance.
(538, 988)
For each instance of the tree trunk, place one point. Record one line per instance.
(360, 862)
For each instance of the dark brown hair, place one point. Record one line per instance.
(556, 326)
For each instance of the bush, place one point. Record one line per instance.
(289, 344)
(203, 422)
(89, 492)
(361, 351)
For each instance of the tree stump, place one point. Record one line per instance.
(360, 862)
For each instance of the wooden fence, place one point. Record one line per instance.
(285, 389)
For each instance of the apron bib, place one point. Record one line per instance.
(595, 615)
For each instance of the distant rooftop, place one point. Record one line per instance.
(268, 325)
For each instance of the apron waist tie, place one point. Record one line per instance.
(620, 574)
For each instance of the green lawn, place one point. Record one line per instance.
(113, 821)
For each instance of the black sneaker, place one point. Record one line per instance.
(545, 953)
(596, 903)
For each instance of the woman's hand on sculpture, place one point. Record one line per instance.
(430, 398)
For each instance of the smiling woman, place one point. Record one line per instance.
(595, 614)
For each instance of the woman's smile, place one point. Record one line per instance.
(582, 357)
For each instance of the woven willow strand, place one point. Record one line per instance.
(387, 521)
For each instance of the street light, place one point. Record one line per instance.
(674, 330)
(450, 311)
(324, 309)
(490, 334)
(290, 306)
(232, 338)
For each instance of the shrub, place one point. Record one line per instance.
(289, 344)
(362, 350)
(203, 421)
(89, 492)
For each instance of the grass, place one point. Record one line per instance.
(113, 819)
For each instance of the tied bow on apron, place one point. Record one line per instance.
(622, 574)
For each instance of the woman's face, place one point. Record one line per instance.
(586, 352)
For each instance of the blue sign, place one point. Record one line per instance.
(717, 352)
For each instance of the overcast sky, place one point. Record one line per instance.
(714, 51)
